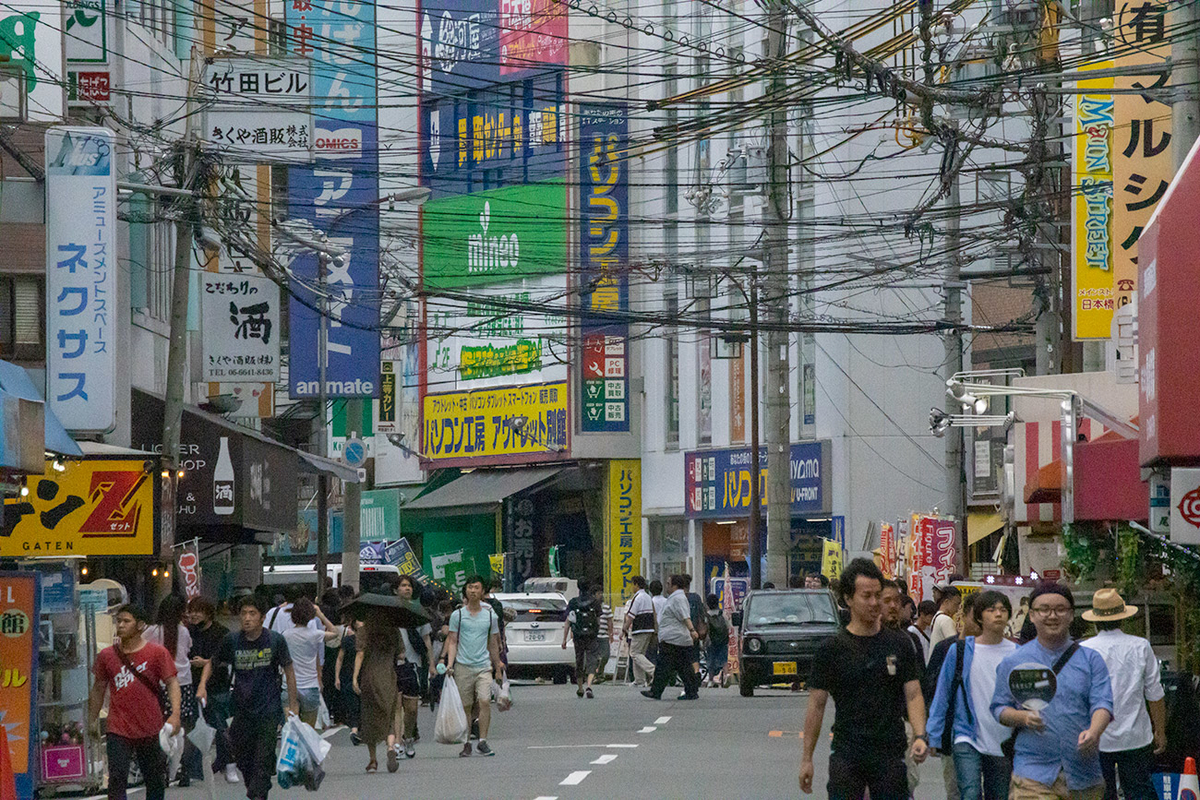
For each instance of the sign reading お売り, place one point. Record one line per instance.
(93, 507)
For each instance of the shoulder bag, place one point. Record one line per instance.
(1009, 745)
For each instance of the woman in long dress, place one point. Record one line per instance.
(375, 683)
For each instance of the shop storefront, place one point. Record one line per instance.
(717, 503)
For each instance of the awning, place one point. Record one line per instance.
(1108, 481)
(482, 491)
(318, 465)
(982, 525)
(15, 381)
(1046, 486)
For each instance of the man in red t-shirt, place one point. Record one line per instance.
(131, 671)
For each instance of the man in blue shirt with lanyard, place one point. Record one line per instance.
(1057, 748)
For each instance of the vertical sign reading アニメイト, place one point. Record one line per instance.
(624, 527)
(19, 593)
(1092, 270)
(81, 277)
(604, 266)
(339, 195)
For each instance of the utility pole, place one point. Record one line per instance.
(755, 545)
(189, 208)
(775, 215)
(1185, 74)
(953, 341)
(352, 504)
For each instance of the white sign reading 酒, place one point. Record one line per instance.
(241, 328)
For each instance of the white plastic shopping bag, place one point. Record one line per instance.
(293, 755)
(324, 721)
(170, 740)
(451, 724)
(502, 693)
(317, 747)
(202, 735)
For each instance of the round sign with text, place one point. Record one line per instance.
(1032, 685)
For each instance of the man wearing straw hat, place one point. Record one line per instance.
(1129, 744)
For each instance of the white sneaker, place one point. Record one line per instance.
(231, 774)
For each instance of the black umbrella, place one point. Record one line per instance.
(401, 613)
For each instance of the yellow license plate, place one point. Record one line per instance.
(785, 668)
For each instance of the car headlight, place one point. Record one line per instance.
(754, 645)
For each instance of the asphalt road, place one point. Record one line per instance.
(619, 745)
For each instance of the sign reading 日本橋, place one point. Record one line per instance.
(339, 195)
(81, 277)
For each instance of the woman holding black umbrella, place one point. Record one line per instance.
(375, 683)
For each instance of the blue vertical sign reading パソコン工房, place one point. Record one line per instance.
(81, 277)
(604, 266)
(338, 195)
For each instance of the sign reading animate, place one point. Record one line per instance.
(81, 277)
(624, 551)
(19, 616)
(1092, 224)
(92, 508)
(521, 423)
(339, 195)
(717, 482)
(604, 266)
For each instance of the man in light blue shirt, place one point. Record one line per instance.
(1057, 748)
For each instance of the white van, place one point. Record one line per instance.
(371, 577)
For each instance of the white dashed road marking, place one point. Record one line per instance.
(607, 758)
(576, 778)
(547, 797)
(623, 745)
(648, 729)
(573, 746)
(662, 720)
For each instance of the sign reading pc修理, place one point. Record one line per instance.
(81, 277)
(717, 482)
(604, 266)
(519, 423)
(339, 195)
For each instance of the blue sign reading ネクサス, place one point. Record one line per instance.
(717, 482)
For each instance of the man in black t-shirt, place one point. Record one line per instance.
(871, 674)
(207, 635)
(257, 656)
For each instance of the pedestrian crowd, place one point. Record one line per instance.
(1047, 716)
(329, 663)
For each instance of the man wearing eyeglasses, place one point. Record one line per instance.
(1056, 749)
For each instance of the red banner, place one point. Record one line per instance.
(188, 561)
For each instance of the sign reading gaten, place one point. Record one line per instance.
(483, 423)
(94, 507)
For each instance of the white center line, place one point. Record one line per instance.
(648, 729)
(662, 720)
(547, 797)
(623, 745)
(576, 778)
(607, 758)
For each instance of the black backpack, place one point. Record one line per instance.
(718, 627)
(587, 620)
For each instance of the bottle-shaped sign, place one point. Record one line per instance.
(223, 481)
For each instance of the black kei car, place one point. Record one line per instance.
(781, 630)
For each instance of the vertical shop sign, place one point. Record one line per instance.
(86, 41)
(188, 561)
(18, 672)
(624, 527)
(887, 549)
(339, 195)
(1142, 153)
(81, 277)
(604, 270)
(939, 550)
(520, 538)
(31, 42)
(1092, 224)
(737, 399)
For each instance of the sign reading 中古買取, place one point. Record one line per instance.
(717, 482)
(81, 277)
(490, 423)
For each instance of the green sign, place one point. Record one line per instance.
(379, 515)
(493, 236)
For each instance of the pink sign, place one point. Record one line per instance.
(189, 570)
(532, 33)
(939, 556)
